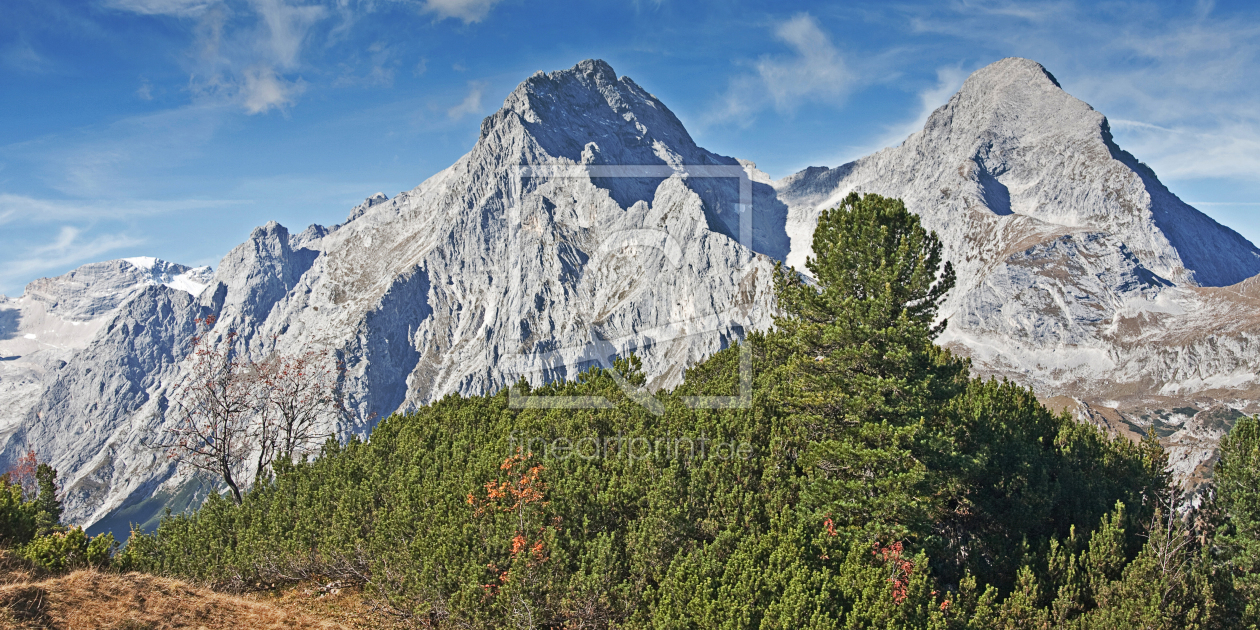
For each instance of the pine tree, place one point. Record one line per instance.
(859, 368)
(1237, 482)
(48, 516)
(860, 339)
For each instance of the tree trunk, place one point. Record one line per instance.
(236, 492)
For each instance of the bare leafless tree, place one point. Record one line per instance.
(1170, 542)
(214, 413)
(230, 409)
(299, 392)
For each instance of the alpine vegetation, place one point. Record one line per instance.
(585, 224)
(595, 375)
(886, 488)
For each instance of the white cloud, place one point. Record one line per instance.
(1229, 150)
(467, 10)
(264, 90)
(31, 211)
(66, 250)
(245, 54)
(471, 103)
(287, 26)
(160, 7)
(1120, 123)
(817, 72)
(382, 61)
(22, 57)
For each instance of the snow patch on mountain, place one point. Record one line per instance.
(44, 330)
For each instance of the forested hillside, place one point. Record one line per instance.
(869, 482)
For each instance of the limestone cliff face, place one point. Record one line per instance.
(1080, 275)
(473, 279)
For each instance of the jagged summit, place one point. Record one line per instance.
(93, 290)
(1015, 99)
(1079, 273)
(567, 110)
(1013, 155)
(588, 115)
(1072, 260)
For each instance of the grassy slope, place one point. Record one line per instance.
(135, 601)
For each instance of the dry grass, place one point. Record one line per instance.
(91, 599)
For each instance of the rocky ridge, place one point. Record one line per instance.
(1081, 275)
(471, 280)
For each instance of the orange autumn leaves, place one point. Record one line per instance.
(520, 493)
(892, 557)
(521, 488)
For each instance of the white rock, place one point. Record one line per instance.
(1079, 274)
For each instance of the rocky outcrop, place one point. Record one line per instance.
(1080, 274)
(57, 317)
(582, 225)
(476, 278)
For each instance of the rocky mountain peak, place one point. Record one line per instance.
(587, 115)
(93, 290)
(1012, 157)
(359, 210)
(1015, 104)
(260, 271)
(1014, 74)
(568, 110)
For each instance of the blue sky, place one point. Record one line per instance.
(170, 128)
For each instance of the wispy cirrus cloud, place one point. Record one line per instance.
(471, 103)
(245, 53)
(160, 7)
(116, 160)
(467, 10)
(68, 248)
(50, 236)
(382, 62)
(32, 210)
(815, 71)
(252, 53)
(21, 56)
(264, 89)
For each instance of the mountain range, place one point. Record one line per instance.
(585, 223)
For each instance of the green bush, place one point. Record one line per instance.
(57, 551)
(17, 517)
(69, 549)
(100, 550)
(882, 488)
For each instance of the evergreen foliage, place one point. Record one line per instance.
(48, 506)
(31, 525)
(1237, 480)
(869, 484)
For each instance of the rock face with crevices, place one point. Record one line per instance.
(1079, 273)
(58, 317)
(581, 226)
(470, 281)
